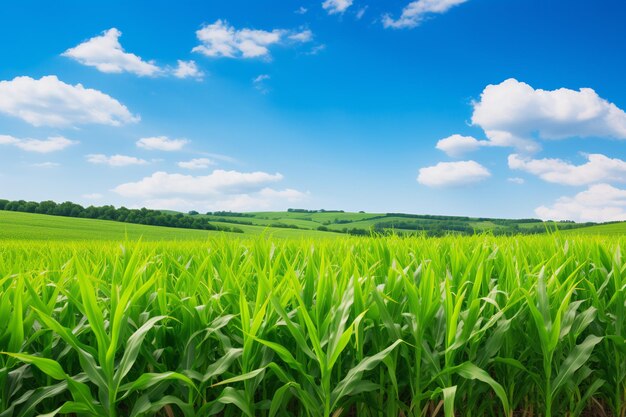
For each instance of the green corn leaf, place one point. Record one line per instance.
(577, 358)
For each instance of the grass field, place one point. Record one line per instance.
(465, 326)
(27, 226)
(602, 229)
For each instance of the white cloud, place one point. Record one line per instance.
(162, 143)
(446, 174)
(51, 102)
(336, 6)
(360, 13)
(220, 39)
(106, 54)
(416, 11)
(196, 163)
(188, 69)
(516, 180)
(267, 199)
(599, 203)
(218, 182)
(457, 145)
(598, 168)
(303, 36)
(52, 144)
(114, 160)
(8, 140)
(301, 10)
(514, 114)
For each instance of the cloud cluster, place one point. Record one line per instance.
(598, 203)
(51, 102)
(220, 39)
(105, 53)
(513, 113)
(161, 143)
(115, 160)
(450, 174)
(415, 12)
(266, 199)
(52, 144)
(220, 190)
(188, 69)
(218, 182)
(336, 6)
(598, 168)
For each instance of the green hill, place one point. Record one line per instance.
(27, 226)
(602, 229)
(289, 224)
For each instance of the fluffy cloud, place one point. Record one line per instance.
(50, 102)
(599, 203)
(220, 190)
(513, 113)
(457, 145)
(188, 69)
(52, 144)
(446, 174)
(336, 6)
(196, 163)
(114, 160)
(218, 182)
(106, 54)
(267, 199)
(416, 11)
(162, 143)
(598, 168)
(220, 39)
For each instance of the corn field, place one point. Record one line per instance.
(454, 326)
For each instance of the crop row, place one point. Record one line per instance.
(467, 326)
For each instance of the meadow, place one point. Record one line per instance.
(413, 326)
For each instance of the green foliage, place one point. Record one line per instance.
(454, 326)
(122, 214)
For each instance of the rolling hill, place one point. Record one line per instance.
(28, 226)
(290, 224)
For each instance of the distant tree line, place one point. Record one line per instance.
(136, 216)
(229, 214)
(294, 210)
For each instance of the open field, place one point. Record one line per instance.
(290, 223)
(602, 229)
(469, 326)
(28, 226)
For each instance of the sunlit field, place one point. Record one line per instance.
(465, 326)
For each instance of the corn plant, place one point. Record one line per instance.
(377, 326)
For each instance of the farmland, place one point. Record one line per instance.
(292, 223)
(236, 325)
(27, 226)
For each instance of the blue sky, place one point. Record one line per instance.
(334, 104)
